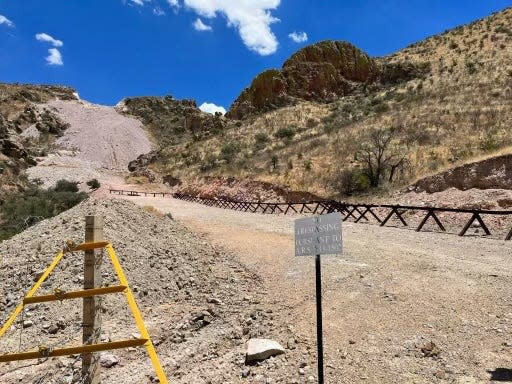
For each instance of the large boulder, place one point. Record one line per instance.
(142, 161)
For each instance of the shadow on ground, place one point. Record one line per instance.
(501, 374)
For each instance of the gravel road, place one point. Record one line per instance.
(390, 294)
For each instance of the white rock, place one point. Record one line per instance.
(108, 360)
(261, 349)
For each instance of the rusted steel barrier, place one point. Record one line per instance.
(380, 213)
(356, 212)
(124, 192)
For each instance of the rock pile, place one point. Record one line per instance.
(200, 305)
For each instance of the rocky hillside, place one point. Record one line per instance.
(26, 129)
(319, 123)
(321, 72)
(171, 123)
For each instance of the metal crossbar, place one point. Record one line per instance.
(73, 350)
(74, 294)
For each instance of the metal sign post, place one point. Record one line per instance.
(317, 236)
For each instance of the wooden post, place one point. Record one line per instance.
(91, 311)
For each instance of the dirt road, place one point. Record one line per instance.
(390, 294)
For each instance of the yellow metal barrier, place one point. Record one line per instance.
(31, 293)
(138, 317)
(145, 339)
(74, 294)
(73, 350)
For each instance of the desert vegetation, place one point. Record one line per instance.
(18, 211)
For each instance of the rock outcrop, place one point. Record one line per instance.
(493, 173)
(170, 122)
(169, 118)
(320, 72)
(26, 129)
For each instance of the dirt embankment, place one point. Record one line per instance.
(493, 173)
(230, 188)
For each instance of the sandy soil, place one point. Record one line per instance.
(391, 293)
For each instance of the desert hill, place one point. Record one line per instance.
(448, 103)
(19, 144)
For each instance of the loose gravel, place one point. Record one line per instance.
(99, 141)
(200, 304)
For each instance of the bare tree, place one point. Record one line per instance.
(381, 154)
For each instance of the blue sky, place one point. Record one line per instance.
(208, 50)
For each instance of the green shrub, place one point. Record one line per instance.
(93, 184)
(66, 186)
(471, 67)
(351, 181)
(21, 210)
(274, 161)
(311, 123)
(285, 133)
(260, 139)
(489, 143)
(208, 163)
(229, 151)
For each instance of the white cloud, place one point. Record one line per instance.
(157, 11)
(54, 57)
(48, 39)
(200, 26)
(6, 21)
(298, 37)
(252, 19)
(212, 108)
(138, 2)
(173, 4)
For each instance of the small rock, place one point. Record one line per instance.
(28, 323)
(246, 372)
(108, 360)
(261, 349)
(430, 350)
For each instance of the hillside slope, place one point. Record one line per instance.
(458, 111)
(99, 143)
(26, 131)
(199, 304)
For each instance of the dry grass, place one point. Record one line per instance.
(153, 210)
